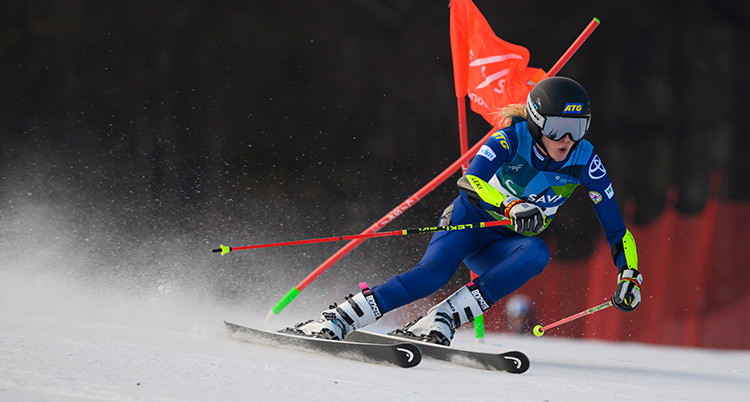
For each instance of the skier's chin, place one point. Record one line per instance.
(561, 153)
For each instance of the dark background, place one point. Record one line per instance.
(158, 128)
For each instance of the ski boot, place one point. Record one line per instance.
(339, 320)
(442, 320)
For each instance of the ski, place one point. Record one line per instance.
(511, 362)
(403, 354)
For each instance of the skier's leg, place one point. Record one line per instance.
(516, 260)
(506, 265)
(439, 262)
(442, 320)
(435, 270)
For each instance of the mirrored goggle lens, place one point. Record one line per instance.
(555, 127)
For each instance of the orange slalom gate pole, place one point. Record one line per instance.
(573, 48)
(388, 218)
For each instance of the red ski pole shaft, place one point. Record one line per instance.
(539, 330)
(430, 229)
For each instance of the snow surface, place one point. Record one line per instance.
(188, 357)
(79, 325)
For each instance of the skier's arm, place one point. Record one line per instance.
(627, 296)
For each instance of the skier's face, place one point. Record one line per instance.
(558, 150)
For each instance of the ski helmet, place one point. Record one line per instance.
(558, 106)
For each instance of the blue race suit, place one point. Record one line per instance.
(503, 259)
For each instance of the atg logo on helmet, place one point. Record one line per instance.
(573, 108)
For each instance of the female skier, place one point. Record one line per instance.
(524, 173)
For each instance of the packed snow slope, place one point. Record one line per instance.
(188, 357)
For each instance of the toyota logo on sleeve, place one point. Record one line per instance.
(596, 168)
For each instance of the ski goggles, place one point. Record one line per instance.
(555, 127)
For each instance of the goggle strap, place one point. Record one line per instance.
(533, 113)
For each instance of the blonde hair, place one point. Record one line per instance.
(503, 116)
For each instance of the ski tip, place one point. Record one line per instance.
(230, 327)
(538, 331)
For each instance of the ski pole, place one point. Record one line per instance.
(539, 330)
(430, 229)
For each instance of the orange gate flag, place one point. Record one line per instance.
(493, 72)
